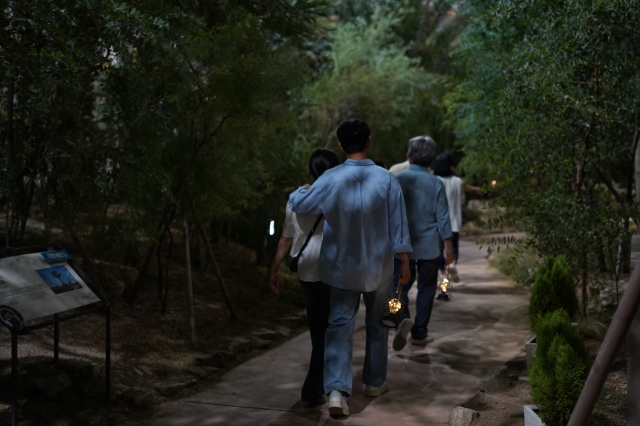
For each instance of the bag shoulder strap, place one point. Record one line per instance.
(313, 230)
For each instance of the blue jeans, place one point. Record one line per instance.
(316, 300)
(456, 243)
(339, 339)
(427, 286)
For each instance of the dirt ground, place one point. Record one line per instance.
(151, 349)
(504, 407)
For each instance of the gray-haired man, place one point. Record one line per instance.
(428, 218)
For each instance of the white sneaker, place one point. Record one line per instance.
(338, 404)
(422, 342)
(400, 339)
(376, 391)
(453, 273)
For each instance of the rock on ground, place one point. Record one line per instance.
(142, 397)
(172, 389)
(479, 401)
(283, 331)
(202, 371)
(218, 359)
(52, 386)
(461, 416)
(266, 334)
(90, 419)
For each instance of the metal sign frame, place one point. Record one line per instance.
(103, 306)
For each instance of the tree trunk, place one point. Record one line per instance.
(633, 363)
(192, 316)
(10, 155)
(87, 261)
(636, 156)
(133, 293)
(216, 268)
(585, 286)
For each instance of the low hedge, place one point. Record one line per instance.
(559, 369)
(553, 289)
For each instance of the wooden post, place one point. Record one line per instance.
(216, 268)
(633, 363)
(192, 317)
(616, 333)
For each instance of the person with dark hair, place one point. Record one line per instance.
(366, 224)
(314, 292)
(428, 216)
(444, 168)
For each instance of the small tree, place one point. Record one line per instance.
(559, 368)
(553, 290)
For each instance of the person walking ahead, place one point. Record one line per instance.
(315, 293)
(365, 225)
(428, 215)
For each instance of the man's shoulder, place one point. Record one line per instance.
(419, 179)
(417, 174)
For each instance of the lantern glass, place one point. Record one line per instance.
(392, 314)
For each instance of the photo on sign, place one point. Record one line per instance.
(59, 279)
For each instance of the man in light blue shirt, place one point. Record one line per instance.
(365, 225)
(428, 214)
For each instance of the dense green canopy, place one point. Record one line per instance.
(117, 119)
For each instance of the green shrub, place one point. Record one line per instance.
(517, 263)
(553, 289)
(559, 368)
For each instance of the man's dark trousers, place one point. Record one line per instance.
(316, 301)
(427, 286)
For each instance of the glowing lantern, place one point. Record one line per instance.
(392, 314)
(444, 286)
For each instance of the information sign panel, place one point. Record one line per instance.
(40, 284)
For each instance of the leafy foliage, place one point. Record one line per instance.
(372, 78)
(559, 368)
(118, 119)
(550, 111)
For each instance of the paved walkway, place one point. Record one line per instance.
(482, 327)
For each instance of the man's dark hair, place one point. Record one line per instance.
(353, 135)
(322, 160)
(443, 164)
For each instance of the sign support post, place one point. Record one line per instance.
(107, 355)
(14, 378)
(56, 340)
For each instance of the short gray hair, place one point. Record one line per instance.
(421, 150)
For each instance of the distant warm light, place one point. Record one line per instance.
(272, 227)
(493, 183)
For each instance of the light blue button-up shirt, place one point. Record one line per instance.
(427, 211)
(365, 223)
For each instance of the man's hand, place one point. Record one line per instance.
(307, 186)
(449, 257)
(405, 270)
(274, 283)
